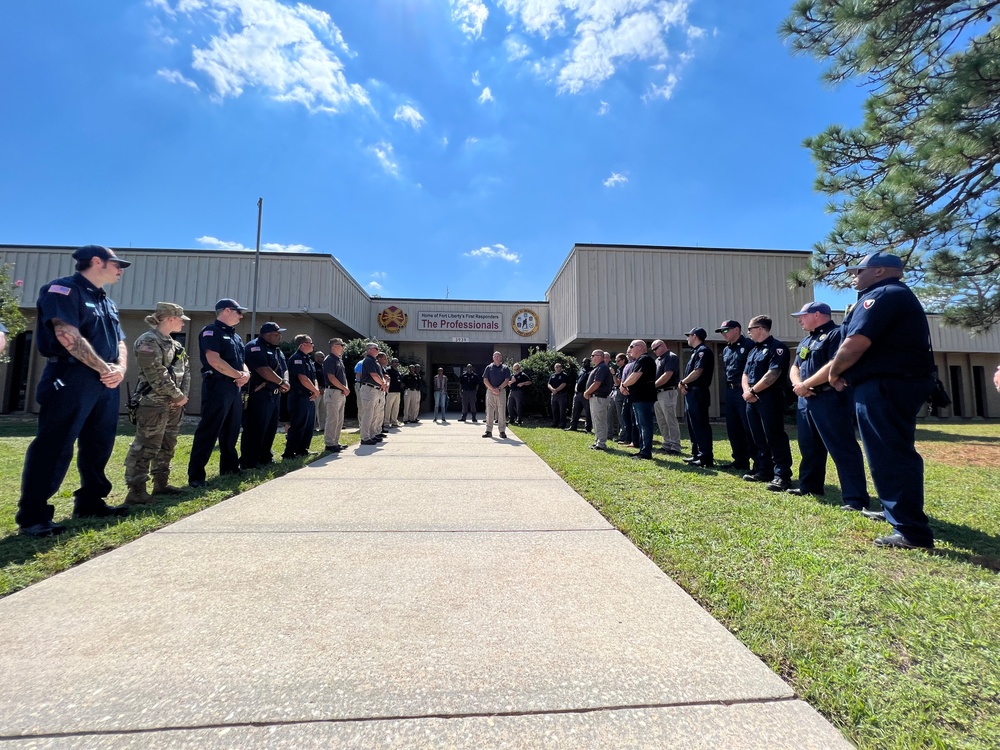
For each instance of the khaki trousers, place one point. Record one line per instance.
(368, 401)
(600, 415)
(411, 405)
(391, 416)
(665, 409)
(334, 400)
(496, 411)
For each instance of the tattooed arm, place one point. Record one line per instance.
(80, 349)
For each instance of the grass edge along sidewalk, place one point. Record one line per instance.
(24, 561)
(899, 649)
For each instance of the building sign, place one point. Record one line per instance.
(460, 321)
(525, 322)
(392, 319)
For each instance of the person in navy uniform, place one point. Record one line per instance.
(640, 387)
(468, 383)
(558, 386)
(302, 397)
(515, 401)
(581, 405)
(825, 416)
(268, 380)
(734, 362)
(223, 374)
(695, 386)
(765, 381)
(78, 395)
(886, 356)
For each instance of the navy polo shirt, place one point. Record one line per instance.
(818, 348)
(734, 358)
(334, 365)
(601, 374)
(369, 367)
(701, 358)
(77, 302)
(223, 340)
(669, 362)
(259, 353)
(769, 354)
(300, 363)
(496, 374)
(558, 378)
(890, 314)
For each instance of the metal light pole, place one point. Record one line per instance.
(256, 270)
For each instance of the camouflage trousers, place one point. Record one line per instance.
(156, 430)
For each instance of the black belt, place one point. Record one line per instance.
(370, 385)
(665, 390)
(734, 385)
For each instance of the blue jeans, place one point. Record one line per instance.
(644, 418)
(440, 403)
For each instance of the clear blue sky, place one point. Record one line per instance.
(431, 146)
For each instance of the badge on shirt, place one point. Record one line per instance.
(823, 337)
(60, 289)
(209, 332)
(868, 303)
(779, 352)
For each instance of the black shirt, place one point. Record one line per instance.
(701, 358)
(734, 359)
(644, 389)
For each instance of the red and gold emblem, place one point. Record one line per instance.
(392, 319)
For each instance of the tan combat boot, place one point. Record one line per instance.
(161, 486)
(137, 495)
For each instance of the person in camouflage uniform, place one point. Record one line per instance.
(164, 378)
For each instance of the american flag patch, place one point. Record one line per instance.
(255, 348)
(208, 333)
(60, 289)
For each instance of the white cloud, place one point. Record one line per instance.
(409, 115)
(287, 51)
(604, 108)
(444, 141)
(383, 152)
(475, 78)
(615, 179)
(379, 275)
(175, 76)
(661, 92)
(516, 49)
(214, 243)
(486, 96)
(374, 286)
(602, 36)
(471, 140)
(496, 251)
(470, 15)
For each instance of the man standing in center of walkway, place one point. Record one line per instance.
(639, 387)
(496, 377)
(825, 415)
(696, 386)
(336, 394)
(301, 398)
(468, 383)
(764, 392)
(667, 379)
(598, 394)
(734, 362)
(369, 387)
(268, 380)
(223, 374)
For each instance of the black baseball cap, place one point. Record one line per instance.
(726, 325)
(222, 304)
(271, 327)
(89, 252)
(698, 332)
(877, 260)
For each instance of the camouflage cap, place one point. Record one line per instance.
(170, 310)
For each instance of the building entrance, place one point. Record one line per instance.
(453, 358)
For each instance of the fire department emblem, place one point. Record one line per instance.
(392, 319)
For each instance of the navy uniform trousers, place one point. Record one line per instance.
(696, 403)
(887, 411)
(300, 430)
(260, 423)
(738, 428)
(826, 424)
(767, 425)
(221, 415)
(75, 405)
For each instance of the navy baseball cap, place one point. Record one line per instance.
(726, 325)
(811, 307)
(878, 260)
(222, 304)
(699, 332)
(89, 252)
(271, 328)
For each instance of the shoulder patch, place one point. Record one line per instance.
(255, 348)
(57, 289)
(146, 347)
(868, 303)
(208, 332)
(779, 352)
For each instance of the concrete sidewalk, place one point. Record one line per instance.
(439, 590)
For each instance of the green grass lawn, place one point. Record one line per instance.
(899, 649)
(24, 561)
